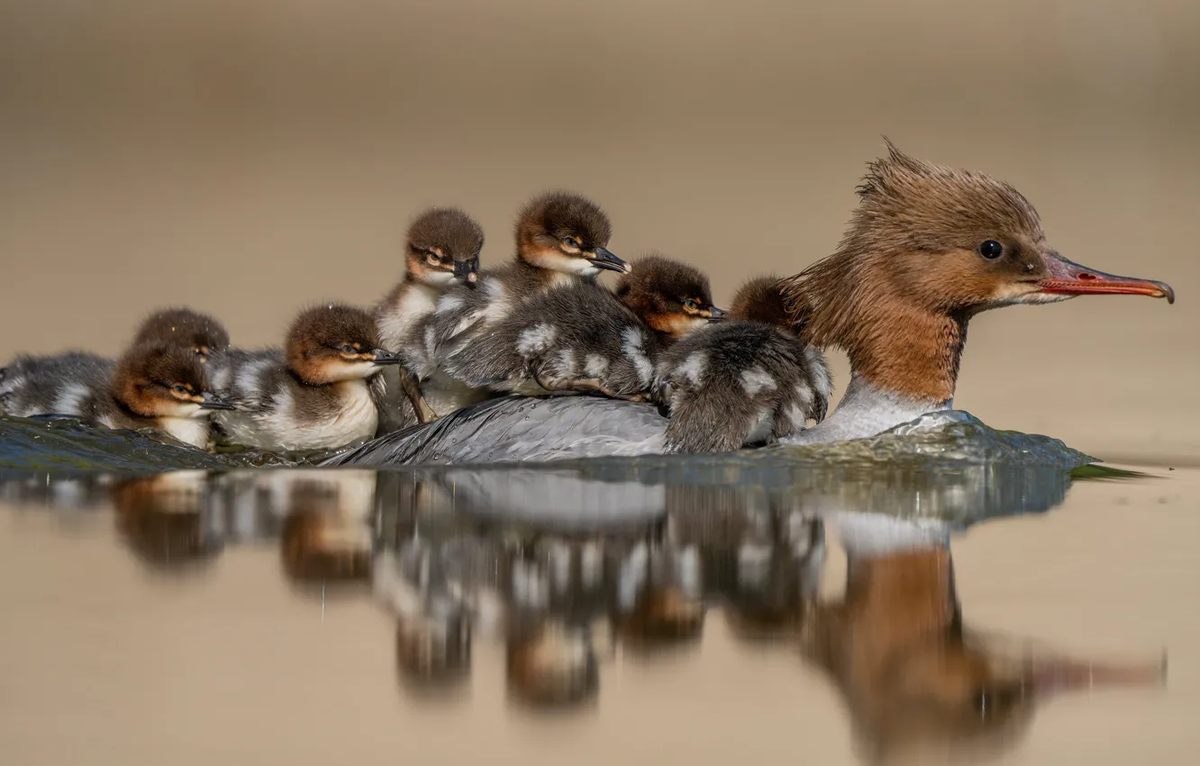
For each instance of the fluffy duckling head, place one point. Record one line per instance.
(443, 247)
(332, 343)
(164, 380)
(561, 231)
(673, 298)
(202, 334)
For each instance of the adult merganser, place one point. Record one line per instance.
(927, 248)
(583, 338)
(442, 250)
(315, 393)
(561, 240)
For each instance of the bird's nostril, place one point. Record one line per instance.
(1085, 276)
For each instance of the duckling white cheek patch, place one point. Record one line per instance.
(340, 371)
(440, 278)
(184, 410)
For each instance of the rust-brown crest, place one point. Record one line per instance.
(908, 274)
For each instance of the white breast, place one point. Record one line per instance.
(398, 319)
(193, 431)
(355, 420)
(445, 394)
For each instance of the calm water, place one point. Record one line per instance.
(763, 606)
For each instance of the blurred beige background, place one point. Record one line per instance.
(248, 157)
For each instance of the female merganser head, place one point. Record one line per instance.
(162, 386)
(314, 395)
(201, 333)
(671, 297)
(583, 338)
(564, 233)
(747, 381)
(927, 249)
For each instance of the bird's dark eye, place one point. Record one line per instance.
(571, 242)
(991, 249)
(432, 259)
(690, 304)
(179, 388)
(348, 349)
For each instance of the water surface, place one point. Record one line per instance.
(749, 606)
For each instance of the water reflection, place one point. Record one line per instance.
(574, 569)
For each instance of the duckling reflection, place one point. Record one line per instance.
(551, 595)
(550, 662)
(760, 551)
(165, 518)
(327, 530)
(433, 625)
(659, 593)
(918, 683)
(55, 490)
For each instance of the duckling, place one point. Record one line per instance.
(52, 385)
(203, 334)
(672, 298)
(319, 392)
(583, 338)
(442, 250)
(561, 240)
(743, 382)
(61, 378)
(153, 385)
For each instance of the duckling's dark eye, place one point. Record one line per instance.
(179, 388)
(991, 249)
(348, 349)
(572, 242)
(690, 304)
(432, 259)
